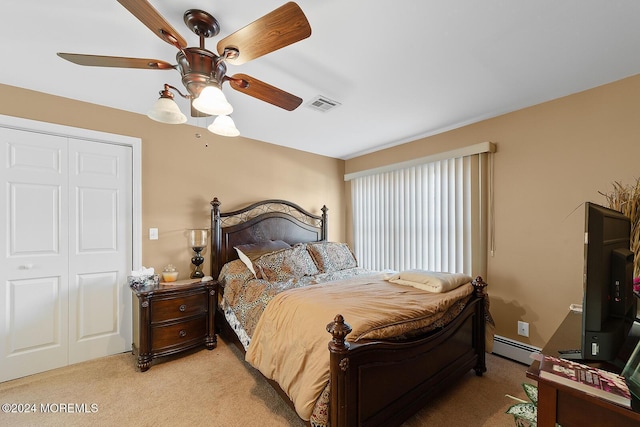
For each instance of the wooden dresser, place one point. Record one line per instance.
(568, 406)
(169, 318)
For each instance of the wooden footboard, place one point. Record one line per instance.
(383, 383)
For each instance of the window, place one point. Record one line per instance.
(429, 213)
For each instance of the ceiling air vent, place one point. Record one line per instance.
(323, 104)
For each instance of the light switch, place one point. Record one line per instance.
(153, 234)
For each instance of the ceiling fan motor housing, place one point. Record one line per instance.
(200, 67)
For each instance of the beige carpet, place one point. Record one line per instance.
(217, 388)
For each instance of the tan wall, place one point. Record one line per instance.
(180, 175)
(551, 158)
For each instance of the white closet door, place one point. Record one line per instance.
(100, 249)
(66, 224)
(34, 262)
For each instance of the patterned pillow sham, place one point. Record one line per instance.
(331, 256)
(233, 277)
(250, 252)
(286, 264)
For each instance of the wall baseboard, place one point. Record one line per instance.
(514, 350)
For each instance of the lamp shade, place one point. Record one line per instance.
(198, 237)
(224, 125)
(212, 101)
(165, 110)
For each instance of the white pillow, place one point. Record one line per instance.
(431, 281)
(247, 261)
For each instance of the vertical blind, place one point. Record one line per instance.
(428, 216)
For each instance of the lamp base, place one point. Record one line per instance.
(197, 275)
(197, 261)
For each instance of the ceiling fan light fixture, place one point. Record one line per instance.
(212, 101)
(224, 125)
(165, 110)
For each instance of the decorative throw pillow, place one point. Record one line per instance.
(250, 252)
(331, 256)
(286, 264)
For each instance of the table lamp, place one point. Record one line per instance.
(197, 241)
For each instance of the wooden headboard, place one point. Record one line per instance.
(266, 220)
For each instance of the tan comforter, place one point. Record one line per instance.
(290, 341)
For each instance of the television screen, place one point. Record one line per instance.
(609, 306)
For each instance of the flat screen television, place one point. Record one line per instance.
(609, 305)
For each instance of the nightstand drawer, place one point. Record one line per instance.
(171, 318)
(178, 308)
(177, 334)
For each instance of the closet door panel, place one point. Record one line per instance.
(34, 258)
(101, 252)
(34, 330)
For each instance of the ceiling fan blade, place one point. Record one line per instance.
(115, 61)
(277, 29)
(150, 17)
(264, 91)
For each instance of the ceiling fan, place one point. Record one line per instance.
(203, 71)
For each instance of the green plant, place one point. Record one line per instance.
(525, 413)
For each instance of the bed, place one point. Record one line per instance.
(370, 380)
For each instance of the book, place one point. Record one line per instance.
(596, 382)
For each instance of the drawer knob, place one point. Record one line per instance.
(182, 333)
(183, 308)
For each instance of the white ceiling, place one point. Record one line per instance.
(401, 69)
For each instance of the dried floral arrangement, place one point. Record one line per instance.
(626, 199)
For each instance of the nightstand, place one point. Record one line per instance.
(169, 318)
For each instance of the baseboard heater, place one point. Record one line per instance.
(514, 350)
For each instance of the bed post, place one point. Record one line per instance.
(325, 225)
(339, 365)
(215, 238)
(480, 319)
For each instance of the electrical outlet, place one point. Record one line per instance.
(153, 234)
(523, 328)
